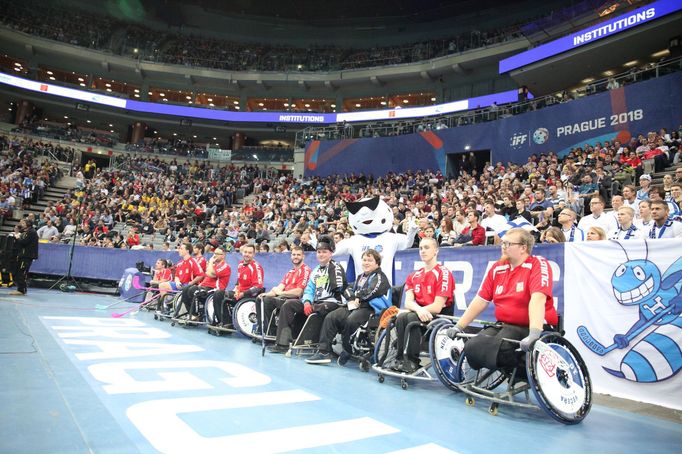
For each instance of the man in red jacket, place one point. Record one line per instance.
(249, 284)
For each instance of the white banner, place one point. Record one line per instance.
(619, 311)
(217, 154)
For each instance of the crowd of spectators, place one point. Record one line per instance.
(106, 33)
(67, 132)
(196, 201)
(23, 179)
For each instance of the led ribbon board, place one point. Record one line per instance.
(599, 31)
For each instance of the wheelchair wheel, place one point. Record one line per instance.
(386, 348)
(559, 379)
(176, 305)
(444, 353)
(209, 310)
(245, 318)
(483, 378)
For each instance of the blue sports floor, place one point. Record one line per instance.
(73, 379)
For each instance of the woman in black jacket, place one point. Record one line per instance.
(370, 294)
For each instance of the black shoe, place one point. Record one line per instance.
(320, 358)
(391, 364)
(343, 358)
(408, 366)
(278, 348)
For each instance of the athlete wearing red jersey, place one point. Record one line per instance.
(216, 278)
(249, 284)
(428, 292)
(161, 273)
(198, 255)
(291, 287)
(187, 271)
(520, 286)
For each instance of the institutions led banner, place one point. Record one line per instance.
(599, 31)
(57, 90)
(261, 117)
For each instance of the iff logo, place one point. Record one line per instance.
(518, 140)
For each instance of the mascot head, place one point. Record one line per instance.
(370, 216)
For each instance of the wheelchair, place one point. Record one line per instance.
(554, 374)
(202, 299)
(165, 308)
(386, 348)
(362, 342)
(308, 339)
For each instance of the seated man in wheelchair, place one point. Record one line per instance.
(187, 271)
(249, 284)
(216, 278)
(428, 292)
(291, 287)
(369, 295)
(520, 287)
(322, 295)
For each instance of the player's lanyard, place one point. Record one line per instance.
(652, 232)
(629, 232)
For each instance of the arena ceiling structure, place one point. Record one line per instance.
(446, 78)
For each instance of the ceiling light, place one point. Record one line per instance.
(608, 73)
(52, 78)
(215, 138)
(188, 97)
(175, 133)
(107, 85)
(50, 73)
(109, 90)
(588, 80)
(405, 101)
(333, 106)
(433, 99)
(111, 130)
(293, 105)
(163, 95)
(190, 102)
(80, 79)
(165, 99)
(17, 69)
(66, 116)
(150, 93)
(212, 105)
(236, 103)
(17, 64)
(661, 53)
(194, 137)
(307, 105)
(383, 103)
(210, 100)
(137, 95)
(261, 104)
(630, 63)
(68, 124)
(88, 121)
(137, 91)
(286, 104)
(237, 107)
(82, 84)
(357, 105)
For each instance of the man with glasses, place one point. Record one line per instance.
(567, 221)
(598, 218)
(216, 277)
(520, 287)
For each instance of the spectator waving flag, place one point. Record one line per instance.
(518, 223)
